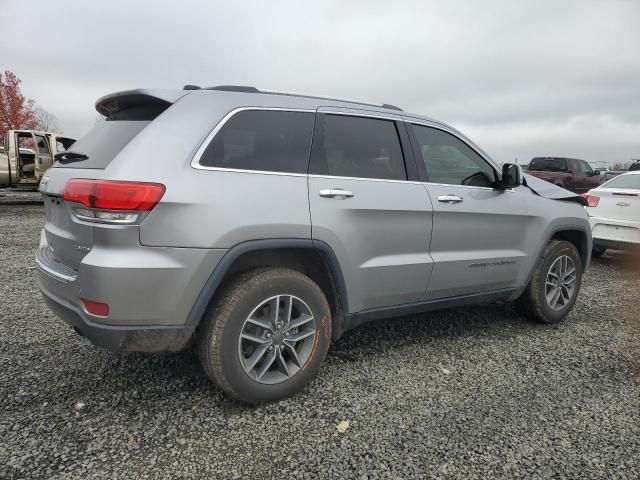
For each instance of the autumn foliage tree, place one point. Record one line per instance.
(16, 111)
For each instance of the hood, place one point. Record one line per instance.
(551, 191)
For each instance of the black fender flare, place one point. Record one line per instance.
(547, 238)
(222, 267)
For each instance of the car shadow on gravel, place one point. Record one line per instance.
(622, 261)
(477, 321)
(166, 376)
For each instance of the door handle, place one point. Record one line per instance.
(338, 193)
(449, 199)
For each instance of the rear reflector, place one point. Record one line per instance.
(593, 200)
(96, 308)
(114, 195)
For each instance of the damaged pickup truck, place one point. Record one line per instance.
(26, 154)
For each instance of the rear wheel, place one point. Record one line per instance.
(555, 284)
(266, 335)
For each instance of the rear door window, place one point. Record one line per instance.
(262, 140)
(43, 146)
(359, 147)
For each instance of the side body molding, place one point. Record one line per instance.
(218, 273)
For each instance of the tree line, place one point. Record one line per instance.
(20, 113)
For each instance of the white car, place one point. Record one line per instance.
(614, 213)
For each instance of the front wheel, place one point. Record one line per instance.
(266, 335)
(555, 284)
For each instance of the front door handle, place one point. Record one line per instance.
(449, 199)
(338, 193)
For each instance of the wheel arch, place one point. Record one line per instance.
(313, 258)
(579, 238)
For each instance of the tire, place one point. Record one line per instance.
(255, 293)
(533, 301)
(597, 252)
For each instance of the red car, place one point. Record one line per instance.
(570, 173)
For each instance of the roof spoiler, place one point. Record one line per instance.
(128, 99)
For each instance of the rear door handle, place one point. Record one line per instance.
(338, 193)
(449, 199)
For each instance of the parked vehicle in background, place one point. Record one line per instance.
(609, 174)
(26, 154)
(569, 173)
(614, 213)
(263, 225)
(635, 166)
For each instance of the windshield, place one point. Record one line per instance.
(549, 164)
(624, 181)
(103, 143)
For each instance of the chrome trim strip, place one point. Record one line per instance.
(240, 170)
(364, 179)
(53, 273)
(195, 161)
(349, 113)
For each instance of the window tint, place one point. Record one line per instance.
(361, 147)
(449, 160)
(549, 164)
(103, 143)
(584, 167)
(43, 147)
(267, 140)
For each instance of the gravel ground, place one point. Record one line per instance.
(20, 196)
(467, 393)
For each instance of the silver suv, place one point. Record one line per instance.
(260, 226)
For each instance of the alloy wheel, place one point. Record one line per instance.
(277, 339)
(560, 284)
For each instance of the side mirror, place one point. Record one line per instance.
(511, 176)
(596, 172)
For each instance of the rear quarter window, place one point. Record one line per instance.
(263, 140)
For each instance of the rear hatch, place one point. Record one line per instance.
(69, 239)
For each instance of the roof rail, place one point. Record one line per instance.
(247, 89)
(234, 88)
(391, 107)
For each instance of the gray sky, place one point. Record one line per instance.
(520, 78)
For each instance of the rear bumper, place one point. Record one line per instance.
(150, 292)
(614, 233)
(117, 338)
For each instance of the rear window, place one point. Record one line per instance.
(549, 164)
(264, 140)
(104, 142)
(624, 181)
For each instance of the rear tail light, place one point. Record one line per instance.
(592, 200)
(112, 201)
(96, 309)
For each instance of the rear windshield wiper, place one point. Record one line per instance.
(69, 157)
